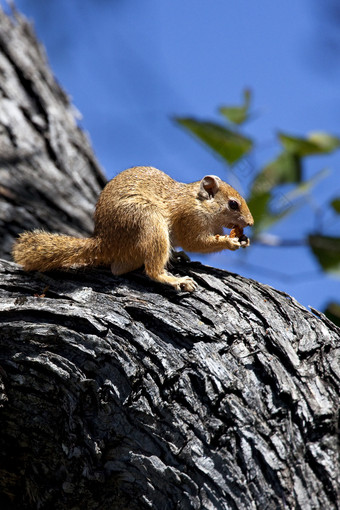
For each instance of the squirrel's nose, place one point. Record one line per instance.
(250, 221)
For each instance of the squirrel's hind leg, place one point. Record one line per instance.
(157, 254)
(179, 283)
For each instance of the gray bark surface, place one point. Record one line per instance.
(117, 392)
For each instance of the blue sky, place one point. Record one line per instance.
(130, 66)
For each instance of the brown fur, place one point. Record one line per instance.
(140, 215)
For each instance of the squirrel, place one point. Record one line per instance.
(141, 214)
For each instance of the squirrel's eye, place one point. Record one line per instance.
(233, 205)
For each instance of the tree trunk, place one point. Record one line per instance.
(117, 392)
(49, 177)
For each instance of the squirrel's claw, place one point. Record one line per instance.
(186, 284)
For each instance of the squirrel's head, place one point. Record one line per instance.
(225, 202)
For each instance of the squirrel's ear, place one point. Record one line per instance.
(209, 186)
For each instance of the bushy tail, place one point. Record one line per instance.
(41, 251)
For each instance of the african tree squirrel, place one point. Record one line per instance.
(140, 215)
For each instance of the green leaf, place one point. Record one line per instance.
(299, 146)
(225, 142)
(328, 143)
(336, 205)
(259, 205)
(237, 114)
(327, 251)
(315, 143)
(284, 169)
(333, 312)
(264, 216)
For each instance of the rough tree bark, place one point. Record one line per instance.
(120, 393)
(49, 177)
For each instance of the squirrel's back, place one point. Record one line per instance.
(128, 200)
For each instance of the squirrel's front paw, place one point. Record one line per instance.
(245, 241)
(233, 243)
